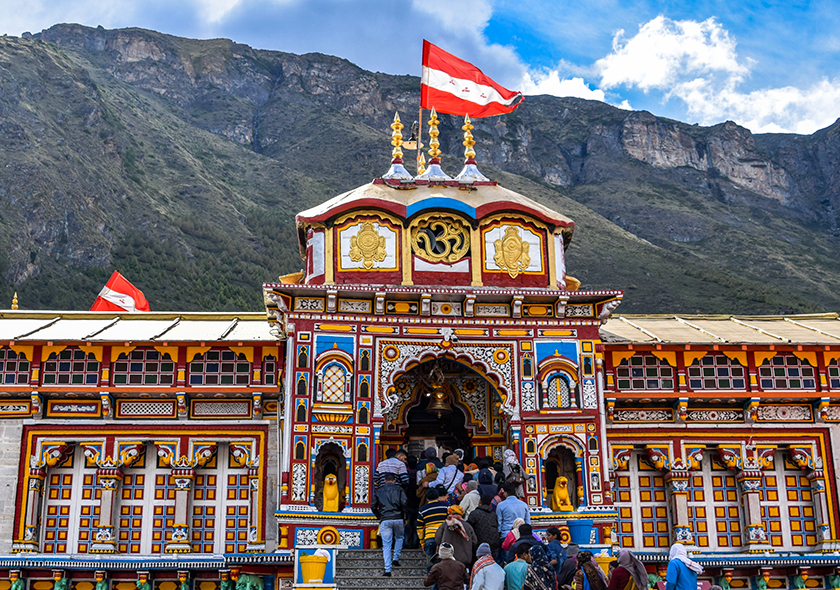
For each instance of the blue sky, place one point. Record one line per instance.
(768, 65)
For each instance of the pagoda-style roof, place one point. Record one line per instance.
(817, 329)
(477, 200)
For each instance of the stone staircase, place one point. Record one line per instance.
(363, 568)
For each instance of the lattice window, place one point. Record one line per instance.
(834, 375)
(132, 496)
(625, 511)
(220, 367)
(270, 370)
(787, 507)
(163, 511)
(14, 367)
(220, 507)
(785, 371)
(642, 506)
(144, 367)
(88, 511)
(716, 371)
(71, 502)
(644, 372)
(333, 383)
(727, 515)
(713, 508)
(558, 395)
(71, 366)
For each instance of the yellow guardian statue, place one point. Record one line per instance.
(331, 493)
(560, 500)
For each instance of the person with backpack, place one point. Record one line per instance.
(486, 526)
(449, 476)
(389, 506)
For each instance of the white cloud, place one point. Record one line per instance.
(549, 82)
(697, 63)
(664, 50)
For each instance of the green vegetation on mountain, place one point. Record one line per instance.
(182, 163)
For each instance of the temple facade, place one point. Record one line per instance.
(161, 449)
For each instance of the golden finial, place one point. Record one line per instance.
(396, 137)
(421, 164)
(433, 133)
(469, 142)
(15, 301)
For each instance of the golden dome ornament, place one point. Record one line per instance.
(397, 171)
(367, 246)
(470, 172)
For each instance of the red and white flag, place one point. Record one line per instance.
(456, 87)
(120, 295)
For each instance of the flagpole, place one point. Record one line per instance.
(419, 139)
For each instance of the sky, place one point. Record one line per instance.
(771, 65)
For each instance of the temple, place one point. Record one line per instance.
(161, 450)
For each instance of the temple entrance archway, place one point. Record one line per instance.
(443, 402)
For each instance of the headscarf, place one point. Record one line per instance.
(515, 527)
(678, 552)
(455, 520)
(484, 559)
(634, 567)
(430, 468)
(452, 460)
(540, 574)
(446, 551)
(510, 460)
(593, 573)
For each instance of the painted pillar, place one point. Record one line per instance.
(105, 538)
(256, 539)
(754, 535)
(826, 542)
(179, 542)
(677, 482)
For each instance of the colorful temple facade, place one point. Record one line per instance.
(163, 449)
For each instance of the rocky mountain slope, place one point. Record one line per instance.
(182, 163)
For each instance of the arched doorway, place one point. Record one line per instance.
(561, 462)
(329, 461)
(445, 404)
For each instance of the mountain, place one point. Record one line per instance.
(182, 163)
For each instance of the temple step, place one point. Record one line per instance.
(363, 568)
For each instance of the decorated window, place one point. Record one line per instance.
(440, 239)
(270, 370)
(335, 374)
(834, 375)
(558, 394)
(787, 506)
(220, 367)
(71, 366)
(713, 508)
(642, 506)
(14, 367)
(716, 371)
(71, 506)
(644, 372)
(785, 371)
(144, 367)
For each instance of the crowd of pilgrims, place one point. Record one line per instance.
(476, 531)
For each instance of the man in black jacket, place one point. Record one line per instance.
(390, 506)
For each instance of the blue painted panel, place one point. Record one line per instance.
(325, 342)
(567, 348)
(440, 203)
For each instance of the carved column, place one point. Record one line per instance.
(807, 460)
(50, 455)
(677, 482)
(105, 538)
(749, 473)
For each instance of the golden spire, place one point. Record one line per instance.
(15, 301)
(469, 142)
(396, 137)
(433, 133)
(397, 171)
(470, 174)
(421, 166)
